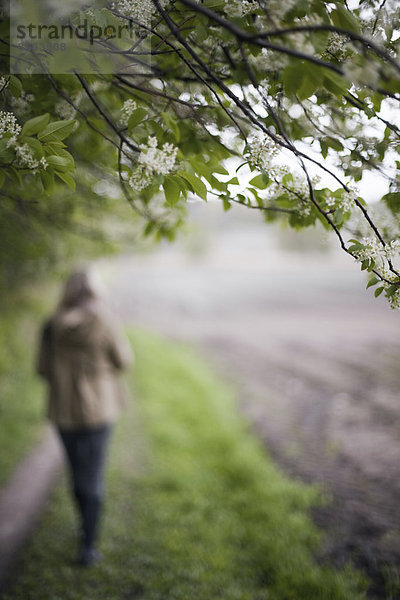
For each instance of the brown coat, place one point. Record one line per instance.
(80, 354)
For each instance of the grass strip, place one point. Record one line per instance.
(21, 392)
(196, 509)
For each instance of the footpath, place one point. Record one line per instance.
(23, 500)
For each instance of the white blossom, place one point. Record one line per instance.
(159, 160)
(268, 60)
(140, 178)
(152, 161)
(21, 105)
(26, 159)
(338, 46)
(4, 83)
(367, 74)
(64, 109)
(9, 125)
(277, 9)
(127, 109)
(300, 42)
(138, 10)
(372, 249)
(262, 150)
(240, 8)
(346, 203)
(392, 250)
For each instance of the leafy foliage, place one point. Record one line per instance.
(285, 92)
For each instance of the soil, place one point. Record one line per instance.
(315, 359)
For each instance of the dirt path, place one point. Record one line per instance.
(23, 499)
(316, 360)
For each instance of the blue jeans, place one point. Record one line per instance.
(86, 451)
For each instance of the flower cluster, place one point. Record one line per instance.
(3, 83)
(64, 109)
(277, 9)
(373, 249)
(152, 161)
(268, 60)
(338, 47)
(346, 203)
(25, 159)
(127, 109)
(21, 105)
(9, 125)
(138, 10)
(295, 186)
(240, 8)
(261, 152)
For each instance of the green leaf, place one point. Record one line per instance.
(391, 290)
(14, 86)
(334, 82)
(233, 181)
(60, 163)
(260, 181)
(2, 178)
(198, 186)
(136, 117)
(334, 143)
(226, 204)
(171, 191)
(36, 146)
(221, 170)
(372, 281)
(47, 180)
(57, 131)
(344, 19)
(292, 79)
(324, 148)
(392, 200)
(68, 179)
(378, 291)
(35, 125)
(311, 80)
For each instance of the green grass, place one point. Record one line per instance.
(196, 509)
(21, 392)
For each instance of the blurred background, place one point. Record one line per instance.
(285, 319)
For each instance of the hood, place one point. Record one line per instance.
(74, 326)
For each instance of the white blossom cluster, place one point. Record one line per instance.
(126, 111)
(346, 203)
(277, 9)
(25, 159)
(300, 42)
(367, 74)
(390, 277)
(261, 151)
(392, 251)
(394, 300)
(138, 10)
(152, 161)
(240, 8)
(64, 109)
(9, 125)
(268, 60)
(21, 105)
(375, 250)
(338, 46)
(4, 83)
(297, 188)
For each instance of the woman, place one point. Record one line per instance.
(80, 355)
